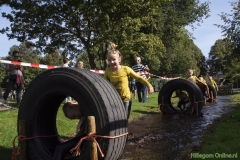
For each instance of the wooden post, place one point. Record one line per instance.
(93, 146)
(22, 132)
(195, 105)
(212, 97)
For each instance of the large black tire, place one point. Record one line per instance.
(96, 97)
(213, 90)
(194, 92)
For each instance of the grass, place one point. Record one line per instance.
(66, 127)
(225, 133)
(139, 110)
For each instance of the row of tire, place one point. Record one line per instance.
(96, 96)
(195, 94)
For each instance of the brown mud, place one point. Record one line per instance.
(172, 137)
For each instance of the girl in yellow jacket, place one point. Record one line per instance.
(118, 75)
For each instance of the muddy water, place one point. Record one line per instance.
(162, 137)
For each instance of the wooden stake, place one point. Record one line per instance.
(195, 104)
(92, 128)
(22, 132)
(212, 97)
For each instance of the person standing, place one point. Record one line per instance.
(15, 78)
(80, 64)
(66, 62)
(141, 88)
(133, 87)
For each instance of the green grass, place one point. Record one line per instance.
(66, 127)
(225, 133)
(142, 109)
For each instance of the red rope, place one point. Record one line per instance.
(16, 150)
(92, 136)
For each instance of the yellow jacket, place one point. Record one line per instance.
(202, 85)
(120, 81)
(214, 84)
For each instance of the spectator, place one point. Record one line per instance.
(80, 64)
(66, 62)
(141, 88)
(133, 87)
(15, 78)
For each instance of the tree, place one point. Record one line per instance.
(2, 75)
(79, 27)
(219, 57)
(231, 28)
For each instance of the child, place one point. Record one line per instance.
(214, 84)
(202, 85)
(184, 99)
(201, 79)
(118, 75)
(72, 111)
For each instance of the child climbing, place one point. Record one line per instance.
(202, 85)
(183, 99)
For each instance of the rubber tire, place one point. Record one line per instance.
(171, 86)
(211, 88)
(96, 96)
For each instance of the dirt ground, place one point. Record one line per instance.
(173, 137)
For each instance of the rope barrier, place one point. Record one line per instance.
(93, 136)
(29, 64)
(90, 136)
(15, 150)
(92, 70)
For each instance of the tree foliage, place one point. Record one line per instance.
(83, 29)
(231, 28)
(220, 58)
(145, 28)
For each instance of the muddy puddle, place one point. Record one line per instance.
(162, 137)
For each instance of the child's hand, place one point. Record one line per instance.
(150, 90)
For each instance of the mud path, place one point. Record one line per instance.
(162, 137)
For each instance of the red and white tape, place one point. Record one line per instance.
(51, 67)
(29, 64)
